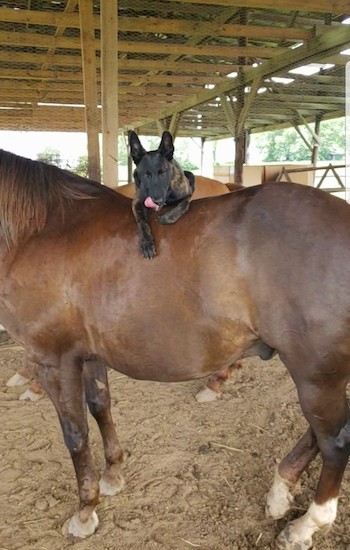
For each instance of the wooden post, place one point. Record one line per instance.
(316, 144)
(92, 119)
(130, 163)
(240, 149)
(109, 90)
(240, 142)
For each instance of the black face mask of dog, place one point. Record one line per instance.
(160, 181)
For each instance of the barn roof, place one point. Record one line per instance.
(198, 67)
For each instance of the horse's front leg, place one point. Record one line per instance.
(325, 407)
(64, 385)
(287, 474)
(99, 403)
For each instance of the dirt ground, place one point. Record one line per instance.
(197, 474)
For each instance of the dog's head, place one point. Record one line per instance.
(154, 170)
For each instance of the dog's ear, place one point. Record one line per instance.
(166, 147)
(137, 152)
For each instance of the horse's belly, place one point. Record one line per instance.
(182, 355)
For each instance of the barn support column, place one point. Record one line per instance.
(316, 143)
(130, 162)
(240, 157)
(92, 118)
(109, 89)
(239, 135)
(202, 153)
(174, 124)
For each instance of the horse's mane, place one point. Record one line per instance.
(30, 189)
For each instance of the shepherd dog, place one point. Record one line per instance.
(159, 181)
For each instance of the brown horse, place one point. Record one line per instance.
(205, 187)
(241, 274)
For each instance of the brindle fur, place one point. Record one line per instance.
(159, 176)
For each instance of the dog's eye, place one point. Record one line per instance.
(161, 172)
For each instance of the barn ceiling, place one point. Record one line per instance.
(208, 69)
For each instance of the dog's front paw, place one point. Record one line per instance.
(168, 218)
(148, 250)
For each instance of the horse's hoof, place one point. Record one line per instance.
(17, 380)
(286, 540)
(279, 500)
(30, 395)
(278, 508)
(77, 528)
(206, 395)
(112, 489)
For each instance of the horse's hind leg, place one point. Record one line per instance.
(64, 385)
(99, 403)
(325, 407)
(288, 472)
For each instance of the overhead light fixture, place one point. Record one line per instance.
(345, 52)
(311, 68)
(296, 45)
(282, 80)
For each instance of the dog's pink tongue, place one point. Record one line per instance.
(149, 203)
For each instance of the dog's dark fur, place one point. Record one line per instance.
(159, 177)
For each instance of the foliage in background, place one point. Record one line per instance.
(181, 154)
(50, 156)
(81, 166)
(287, 145)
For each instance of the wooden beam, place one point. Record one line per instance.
(88, 50)
(228, 52)
(174, 124)
(316, 144)
(154, 47)
(109, 74)
(229, 113)
(315, 49)
(159, 25)
(69, 9)
(123, 63)
(210, 28)
(248, 100)
(307, 143)
(312, 6)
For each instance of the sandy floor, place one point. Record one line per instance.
(197, 474)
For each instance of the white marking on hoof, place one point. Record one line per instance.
(278, 500)
(17, 380)
(77, 528)
(109, 489)
(298, 534)
(206, 395)
(30, 395)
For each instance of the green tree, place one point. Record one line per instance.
(332, 139)
(50, 156)
(286, 144)
(81, 166)
(182, 155)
